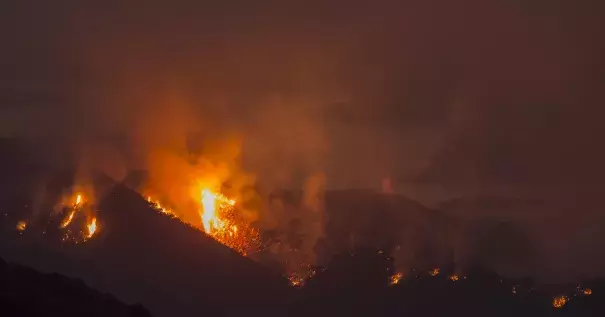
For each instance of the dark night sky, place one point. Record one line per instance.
(475, 91)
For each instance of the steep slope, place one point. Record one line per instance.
(143, 256)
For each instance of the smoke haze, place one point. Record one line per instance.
(443, 99)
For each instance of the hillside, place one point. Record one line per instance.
(26, 292)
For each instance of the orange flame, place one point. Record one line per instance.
(156, 204)
(21, 225)
(92, 228)
(395, 278)
(434, 272)
(296, 280)
(69, 218)
(559, 301)
(220, 220)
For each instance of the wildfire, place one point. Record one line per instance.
(220, 220)
(21, 225)
(434, 272)
(210, 220)
(395, 278)
(156, 204)
(68, 220)
(92, 227)
(296, 280)
(75, 207)
(559, 301)
(453, 277)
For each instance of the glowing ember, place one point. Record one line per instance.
(434, 272)
(92, 227)
(296, 280)
(21, 226)
(587, 291)
(453, 277)
(395, 278)
(559, 301)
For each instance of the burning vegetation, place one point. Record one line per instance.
(395, 278)
(76, 223)
(75, 231)
(219, 218)
(559, 301)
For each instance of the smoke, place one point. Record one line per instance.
(260, 97)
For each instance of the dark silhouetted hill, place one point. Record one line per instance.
(142, 256)
(26, 292)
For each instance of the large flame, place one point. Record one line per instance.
(92, 228)
(220, 220)
(211, 221)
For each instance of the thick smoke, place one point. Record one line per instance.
(445, 100)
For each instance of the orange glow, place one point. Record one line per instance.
(21, 225)
(559, 301)
(453, 277)
(296, 280)
(74, 209)
(434, 272)
(395, 278)
(587, 291)
(92, 228)
(220, 220)
(156, 204)
(69, 218)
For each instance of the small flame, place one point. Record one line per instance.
(92, 227)
(74, 208)
(434, 272)
(296, 281)
(395, 278)
(21, 225)
(156, 204)
(453, 277)
(587, 291)
(559, 301)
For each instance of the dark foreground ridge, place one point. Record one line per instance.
(26, 292)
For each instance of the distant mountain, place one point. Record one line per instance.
(395, 223)
(26, 292)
